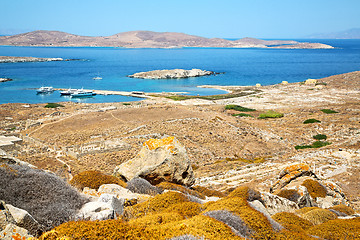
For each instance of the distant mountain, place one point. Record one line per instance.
(353, 33)
(144, 39)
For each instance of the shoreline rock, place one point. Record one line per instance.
(8, 59)
(171, 74)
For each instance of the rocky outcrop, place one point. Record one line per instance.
(5, 216)
(275, 204)
(12, 232)
(159, 160)
(25, 220)
(173, 73)
(300, 185)
(6, 59)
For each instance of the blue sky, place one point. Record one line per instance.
(208, 18)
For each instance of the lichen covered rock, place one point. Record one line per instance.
(159, 160)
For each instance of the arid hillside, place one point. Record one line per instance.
(142, 39)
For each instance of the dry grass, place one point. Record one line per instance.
(318, 216)
(285, 218)
(94, 179)
(344, 209)
(154, 205)
(339, 229)
(314, 188)
(180, 188)
(208, 192)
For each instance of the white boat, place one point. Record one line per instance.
(45, 90)
(83, 93)
(68, 92)
(97, 78)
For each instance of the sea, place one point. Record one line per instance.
(239, 67)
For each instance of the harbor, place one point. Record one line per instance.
(137, 94)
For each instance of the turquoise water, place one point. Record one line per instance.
(241, 67)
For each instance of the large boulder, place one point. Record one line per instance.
(159, 160)
(5, 216)
(300, 185)
(25, 220)
(275, 204)
(96, 211)
(12, 232)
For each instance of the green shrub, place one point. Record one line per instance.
(317, 144)
(94, 179)
(242, 115)
(311, 120)
(270, 114)
(239, 108)
(328, 111)
(126, 104)
(320, 137)
(53, 105)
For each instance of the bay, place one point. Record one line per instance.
(241, 67)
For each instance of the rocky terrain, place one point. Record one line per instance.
(173, 73)
(143, 39)
(265, 162)
(7, 59)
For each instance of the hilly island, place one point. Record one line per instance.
(147, 39)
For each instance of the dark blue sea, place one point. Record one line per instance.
(241, 67)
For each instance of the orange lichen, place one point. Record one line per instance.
(297, 167)
(153, 144)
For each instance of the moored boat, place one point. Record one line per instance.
(68, 92)
(83, 93)
(45, 90)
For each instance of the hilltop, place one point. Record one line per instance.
(143, 39)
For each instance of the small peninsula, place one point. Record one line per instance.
(173, 73)
(8, 59)
(146, 39)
